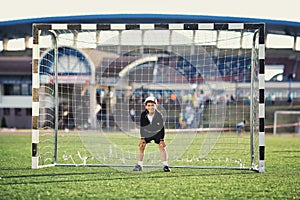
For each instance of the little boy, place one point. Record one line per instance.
(152, 128)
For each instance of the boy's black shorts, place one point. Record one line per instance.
(157, 138)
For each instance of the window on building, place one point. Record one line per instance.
(28, 111)
(25, 89)
(18, 111)
(17, 89)
(16, 44)
(6, 111)
(1, 45)
(279, 41)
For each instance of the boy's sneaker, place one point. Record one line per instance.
(137, 168)
(166, 169)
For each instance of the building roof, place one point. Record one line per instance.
(22, 28)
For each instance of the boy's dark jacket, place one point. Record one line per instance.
(148, 129)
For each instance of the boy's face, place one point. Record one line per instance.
(150, 106)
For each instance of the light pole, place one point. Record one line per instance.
(291, 76)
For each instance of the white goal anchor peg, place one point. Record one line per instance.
(83, 158)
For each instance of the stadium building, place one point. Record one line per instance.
(16, 66)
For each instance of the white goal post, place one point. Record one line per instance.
(89, 82)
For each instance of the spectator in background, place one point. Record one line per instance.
(290, 99)
(240, 127)
(269, 99)
(189, 116)
(173, 99)
(232, 98)
(248, 100)
(273, 98)
(182, 121)
(132, 114)
(199, 106)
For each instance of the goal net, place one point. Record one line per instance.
(90, 81)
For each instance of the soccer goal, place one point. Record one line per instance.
(286, 121)
(90, 80)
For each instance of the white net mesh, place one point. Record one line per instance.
(97, 81)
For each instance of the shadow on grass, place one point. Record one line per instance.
(110, 176)
(14, 169)
(49, 174)
(287, 151)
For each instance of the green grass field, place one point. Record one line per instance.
(18, 181)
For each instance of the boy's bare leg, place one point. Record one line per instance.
(163, 151)
(142, 147)
(164, 155)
